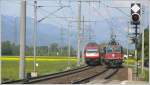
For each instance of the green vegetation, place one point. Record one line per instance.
(51, 59)
(146, 43)
(11, 49)
(131, 62)
(146, 75)
(10, 69)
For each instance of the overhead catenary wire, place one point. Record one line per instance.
(50, 14)
(105, 19)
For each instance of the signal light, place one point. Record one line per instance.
(135, 13)
(135, 17)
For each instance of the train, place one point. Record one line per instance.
(93, 54)
(111, 54)
(114, 54)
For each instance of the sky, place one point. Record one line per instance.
(103, 16)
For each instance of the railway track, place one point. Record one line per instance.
(106, 74)
(40, 78)
(70, 77)
(75, 76)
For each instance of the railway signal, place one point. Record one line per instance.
(135, 13)
(135, 21)
(135, 18)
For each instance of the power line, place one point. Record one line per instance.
(50, 14)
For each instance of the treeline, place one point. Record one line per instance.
(11, 49)
(146, 43)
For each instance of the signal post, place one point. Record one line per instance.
(135, 21)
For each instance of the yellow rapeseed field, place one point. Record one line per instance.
(38, 58)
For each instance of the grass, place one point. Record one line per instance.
(47, 65)
(132, 62)
(146, 75)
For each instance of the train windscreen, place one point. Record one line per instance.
(117, 49)
(91, 51)
(109, 50)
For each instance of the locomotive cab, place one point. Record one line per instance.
(92, 54)
(114, 55)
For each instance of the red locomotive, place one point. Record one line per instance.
(114, 54)
(92, 54)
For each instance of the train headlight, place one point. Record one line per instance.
(113, 55)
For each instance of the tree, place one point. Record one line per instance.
(7, 48)
(53, 49)
(146, 43)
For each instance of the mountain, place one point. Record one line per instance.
(46, 33)
(49, 33)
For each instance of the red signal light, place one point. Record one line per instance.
(135, 17)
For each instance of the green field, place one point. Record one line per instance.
(47, 65)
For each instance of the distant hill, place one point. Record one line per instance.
(46, 33)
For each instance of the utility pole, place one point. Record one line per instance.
(22, 39)
(136, 46)
(35, 35)
(48, 49)
(0, 39)
(142, 21)
(79, 30)
(149, 36)
(61, 40)
(15, 35)
(15, 30)
(83, 41)
(128, 44)
(69, 44)
(90, 34)
(0, 32)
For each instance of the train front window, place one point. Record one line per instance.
(91, 51)
(117, 49)
(109, 50)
